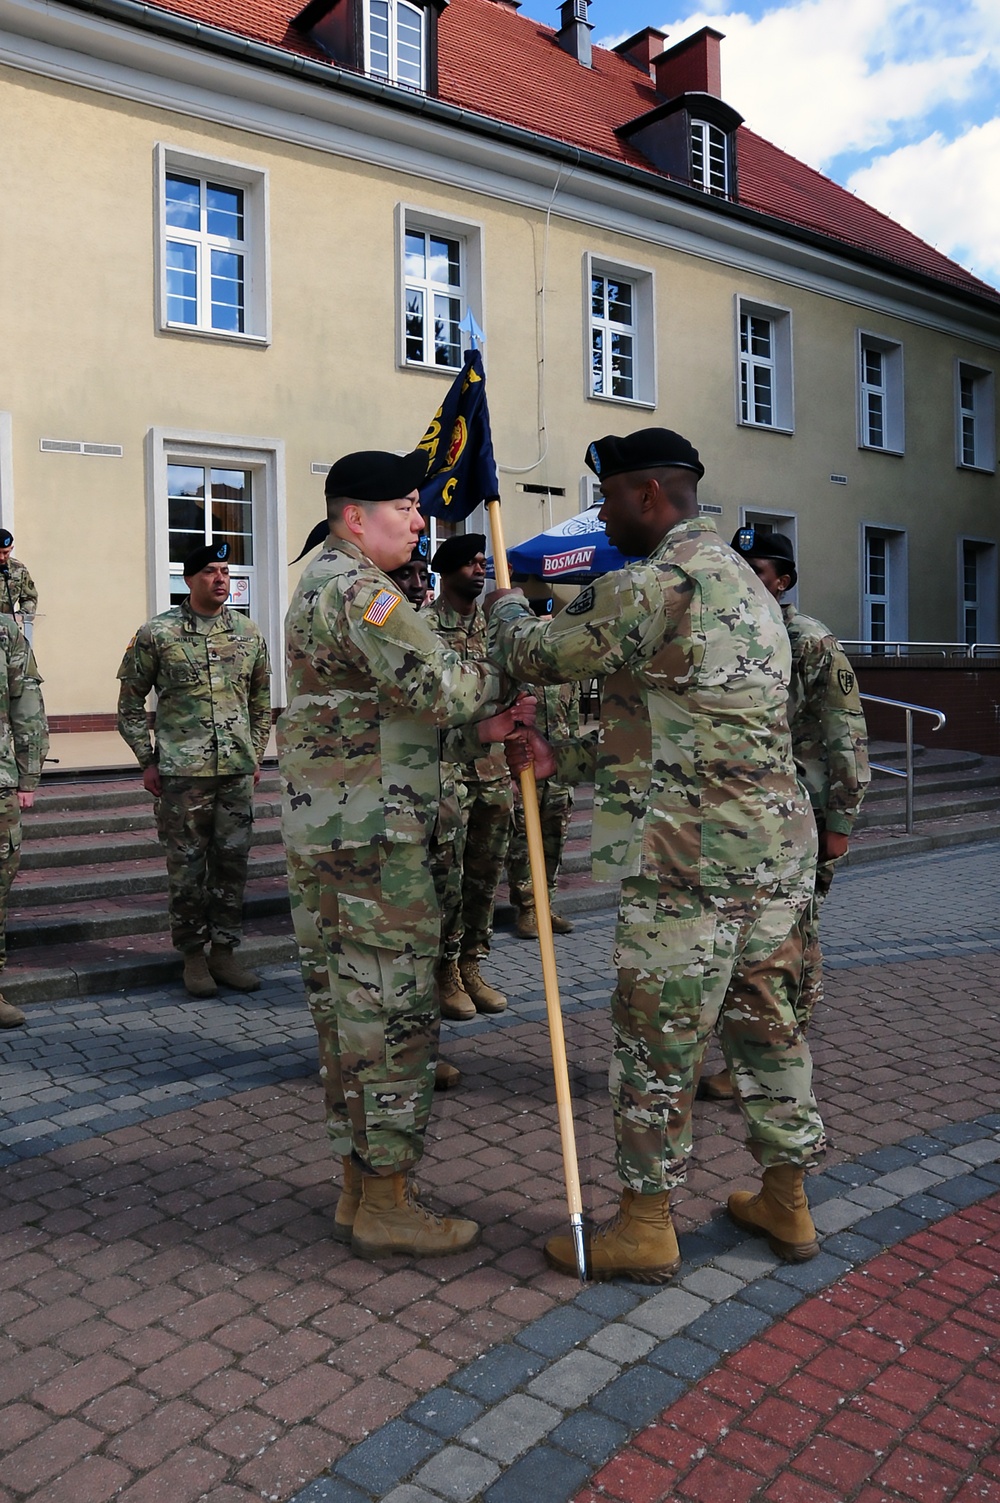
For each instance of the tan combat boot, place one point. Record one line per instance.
(350, 1199)
(716, 1087)
(456, 1003)
(526, 924)
(391, 1219)
(226, 967)
(197, 977)
(779, 1212)
(560, 925)
(446, 1077)
(10, 1016)
(638, 1243)
(485, 998)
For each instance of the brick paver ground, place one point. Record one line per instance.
(177, 1323)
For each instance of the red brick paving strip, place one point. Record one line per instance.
(833, 1405)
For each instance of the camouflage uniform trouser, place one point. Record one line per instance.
(812, 956)
(486, 811)
(555, 804)
(10, 857)
(375, 1006)
(206, 826)
(678, 952)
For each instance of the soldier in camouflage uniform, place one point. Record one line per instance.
(209, 667)
(24, 742)
(484, 790)
(18, 595)
(370, 688)
(557, 719)
(699, 813)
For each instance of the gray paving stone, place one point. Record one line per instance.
(685, 1358)
(509, 1429)
(638, 1396)
(608, 1300)
(409, 1494)
(593, 1437)
(836, 1215)
(667, 1313)
(981, 1151)
(871, 1197)
(959, 1132)
(458, 1474)
(750, 1261)
(385, 1458)
(852, 1248)
(816, 1274)
(573, 1380)
(912, 1181)
(964, 1191)
(621, 1343)
(544, 1474)
(444, 1411)
(711, 1284)
(928, 1207)
(559, 1331)
(889, 1227)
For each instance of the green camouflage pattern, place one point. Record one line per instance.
(829, 735)
(205, 826)
(10, 858)
(17, 591)
(466, 635)
(699, 814)
(811, 990)
(370, 687)
(212, 682)
(558, 719)
(24, 730)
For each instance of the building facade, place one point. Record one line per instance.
(239, 241)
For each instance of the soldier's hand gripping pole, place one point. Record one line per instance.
(540, 886)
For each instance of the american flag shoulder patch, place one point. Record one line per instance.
(382, 607)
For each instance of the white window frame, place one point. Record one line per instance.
(643, 329)
(391, 73)
(895, 597)
(890, 390)
(170, 160)
(470, 233)
(780, 364)
(705, 136)
(981, 416)
(985, 604)
(265, 457)
(783, 522)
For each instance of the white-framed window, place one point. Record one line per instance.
(975, 420)
(709, 158)
(880, 393)
(440, 282)
(205, 487)
(396, 42)
(883, 585)
(764, 363)
(977, 590)
(211, 247)
(621, 332)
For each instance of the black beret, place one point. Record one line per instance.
(373, 475)
(649, 449)
(454, 552)
(773, 545)
(209, 553)
(6, 538)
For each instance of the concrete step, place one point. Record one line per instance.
(891, 811)
(71, 923)
(43, 823)
(103, 790)
(116, 846)
(39, 886)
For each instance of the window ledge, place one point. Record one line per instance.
(874, 449)
(217, 336)
(451, 371)
(977, 469)
(765, 427)
(597, 396)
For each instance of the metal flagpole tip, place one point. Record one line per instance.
(576, 1225)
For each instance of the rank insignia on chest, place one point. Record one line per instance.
(382, 607)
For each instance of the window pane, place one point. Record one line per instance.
(873, 367)
(597, 361)
(762, 395)
(447, 317)
(378, 37)
(410, 45)
(621, 365)
(183, 203)
(620, 302)
(876, 566)
(760, 337)
(225, 212)
(182, 283)
(876, 432)
(227, 291)
(415, 252)
(444, 262)
(414, 324)
(597, 297)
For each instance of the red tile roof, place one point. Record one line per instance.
(506, 67)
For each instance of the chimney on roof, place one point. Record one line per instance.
(573, 35)
(642, 48)
(693, 66)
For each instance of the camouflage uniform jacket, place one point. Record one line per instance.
(695, 783)
(466, 635)
(829, 737)
(24, 731)
(370, 685)
(17, 591)
(212, 681)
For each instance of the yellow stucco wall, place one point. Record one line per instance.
(83, 359)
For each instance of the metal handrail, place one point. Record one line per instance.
(909, 710)
(924, 649)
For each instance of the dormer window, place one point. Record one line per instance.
(396, 46)
(709, 158)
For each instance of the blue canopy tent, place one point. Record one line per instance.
(572, 552)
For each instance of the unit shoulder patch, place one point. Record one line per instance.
(382, 607)
(583, 603)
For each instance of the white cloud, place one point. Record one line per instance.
(947, 192)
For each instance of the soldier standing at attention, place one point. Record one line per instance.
(829, 744)
(484, 790)
(24, 741)
(210, 669)
(370, 688)
(699, 814)
(18, 596)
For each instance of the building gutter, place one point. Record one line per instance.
(138, 14)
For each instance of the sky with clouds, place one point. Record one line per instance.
(898, 100)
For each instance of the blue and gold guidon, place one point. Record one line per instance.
(461, 470)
